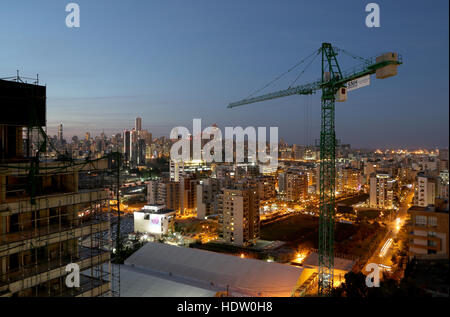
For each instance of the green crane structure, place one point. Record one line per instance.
(333, 83)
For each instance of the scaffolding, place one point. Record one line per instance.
(53, 212)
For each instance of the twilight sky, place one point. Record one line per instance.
(171, 61)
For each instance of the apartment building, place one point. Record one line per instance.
(156, 192)
(381, 191)
(207, 197)
(266, 187)
(208, 191)
(429, 230)
(351, 180)
(188, 194)
(239, 216)
(296, 186)
(424, 190)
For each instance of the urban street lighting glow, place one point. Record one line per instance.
(385, 247)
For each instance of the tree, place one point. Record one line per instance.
(355, 287)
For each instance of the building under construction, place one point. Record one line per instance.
(52, 212)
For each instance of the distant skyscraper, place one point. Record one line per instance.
(141, 147)
(60, 133)
(138, 125)
(133, 147)
(127, 145)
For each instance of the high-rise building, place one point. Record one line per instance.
(293, 185)
(133, 147)
(60, 133)
(141, 148)
(147, 136)
(351, 180)
(424, 190)
(266, 187)
(188, 194)
(138, 124)
(207, 193)
(282, 183)
(299, 151)
(127, 145)
(239, 216)
(173, 195)
(381, 191)
(296, 186)
(156, 192)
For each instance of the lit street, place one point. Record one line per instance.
(383, 253)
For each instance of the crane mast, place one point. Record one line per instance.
(331, 74)
(332, 83)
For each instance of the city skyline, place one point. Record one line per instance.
(82, 135)
(199, 57)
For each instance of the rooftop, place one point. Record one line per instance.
(158, 212)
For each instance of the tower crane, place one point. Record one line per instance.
(334, 85)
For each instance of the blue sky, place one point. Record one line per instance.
(172, 61)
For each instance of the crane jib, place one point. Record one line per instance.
(311, 88)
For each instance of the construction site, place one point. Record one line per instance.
(54, 213)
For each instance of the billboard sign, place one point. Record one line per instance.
(358, 83)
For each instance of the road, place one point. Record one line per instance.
(383, 253)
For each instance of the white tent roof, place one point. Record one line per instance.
(243, 276)
(138, 283)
